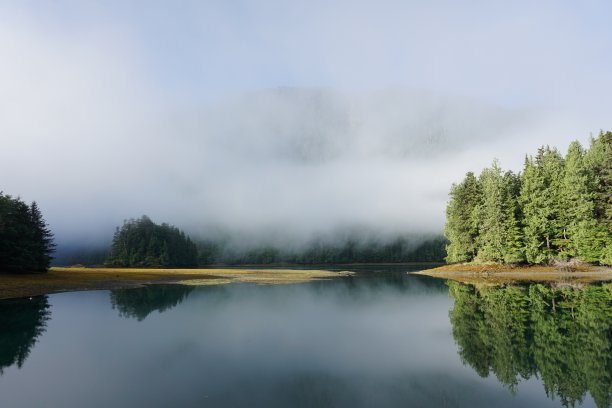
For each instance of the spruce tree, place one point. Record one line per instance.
(26, 244)
(581, 234)
(513, 231)
(461, 228)
(491, 216)
(42, 239)
(540, 201)
(598, 161)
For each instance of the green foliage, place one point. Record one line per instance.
(462, 212)
(491, 217)
(513, 235)
(142, 243)
(26, 243)
(540, 200)
(562, 336)
(558, 208)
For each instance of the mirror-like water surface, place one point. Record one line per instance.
(381, 338)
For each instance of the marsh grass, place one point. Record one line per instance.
(78, 278)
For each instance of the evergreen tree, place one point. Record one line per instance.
(581, 234)
(42, 239)
(540, 201)
(462, 220)
(513, 231)
(26, 243)
(598, 161)
(491, 217)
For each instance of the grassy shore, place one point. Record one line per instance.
(75, 279)
(500, 274)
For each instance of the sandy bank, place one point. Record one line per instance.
(500, 274)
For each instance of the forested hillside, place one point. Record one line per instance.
(26, 244)
(558, 207)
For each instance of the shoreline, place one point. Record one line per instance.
(506, 274)
(59, 280)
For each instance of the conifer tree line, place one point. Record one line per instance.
(26, 243)
(558, 208)
(142, 243)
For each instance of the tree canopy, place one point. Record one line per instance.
(142, 243)
(557, 208)
(26, 243)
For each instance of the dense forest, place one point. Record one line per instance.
(142, 243)
(562, 336)
(557, 208)
(26, 244)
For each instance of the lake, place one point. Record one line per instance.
(380, 338)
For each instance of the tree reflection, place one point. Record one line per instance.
(140, 302)
(562, 336)
(22, 321)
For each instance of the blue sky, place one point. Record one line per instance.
(524, 52)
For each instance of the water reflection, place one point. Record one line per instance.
(22, 321)
(379, 339)
(562, 336)
(138, 303)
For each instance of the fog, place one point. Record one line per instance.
(271, 121)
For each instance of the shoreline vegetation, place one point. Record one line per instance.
(58, 279)
(558, 209)
(498, 274)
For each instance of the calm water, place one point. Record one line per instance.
(382, 338)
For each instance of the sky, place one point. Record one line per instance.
(277, 120)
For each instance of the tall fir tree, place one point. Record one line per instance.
(491, 217)
(580, 235)
(540, 201)
(598, 161)
(26, 243)
(462, 220)
(513, 231)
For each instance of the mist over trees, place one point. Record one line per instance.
(557, 208)
(355, 249)
(26, 244)
(142, 243)
(220, 251)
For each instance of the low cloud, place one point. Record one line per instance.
(96, 129)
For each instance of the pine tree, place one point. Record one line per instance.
(598, 162)
(491, 216)
(513, 232)
(42, 239)
(581, 234)
(540, 201)
(26, 243)
(461, 228)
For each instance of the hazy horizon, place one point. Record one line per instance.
(279, 121)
